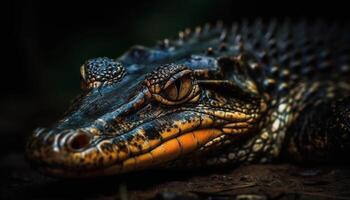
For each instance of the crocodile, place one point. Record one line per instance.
(254, 92)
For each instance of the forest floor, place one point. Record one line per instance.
(253, 182)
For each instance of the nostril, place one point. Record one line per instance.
(79, 141)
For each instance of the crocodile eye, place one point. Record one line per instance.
(178, 89)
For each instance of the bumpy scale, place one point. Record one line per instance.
(253, 92)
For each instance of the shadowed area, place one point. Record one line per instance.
(52, 39)
(281, 181)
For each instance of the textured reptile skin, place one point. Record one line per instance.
(214, 95)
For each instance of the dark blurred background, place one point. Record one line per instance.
(51, 39)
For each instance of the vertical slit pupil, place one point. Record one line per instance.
(178, 84)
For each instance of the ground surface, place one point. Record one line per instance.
(281, 181)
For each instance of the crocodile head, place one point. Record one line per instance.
(147, 109)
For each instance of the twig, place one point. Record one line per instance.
(231, 188)
(238, 187)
